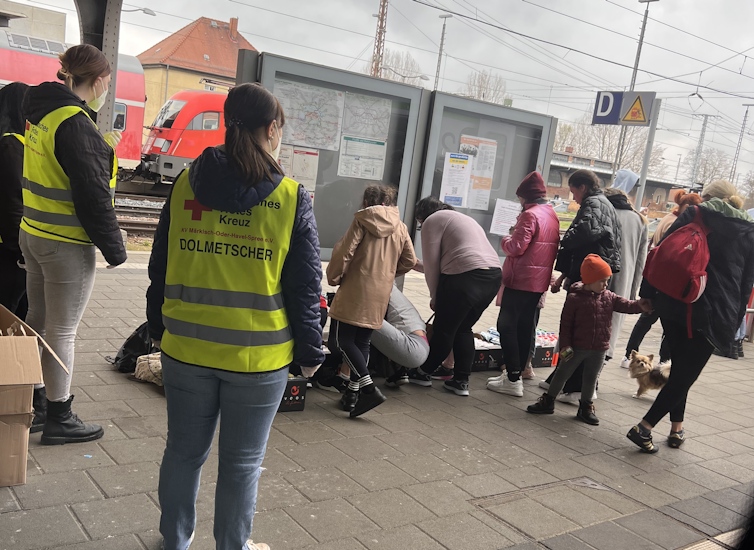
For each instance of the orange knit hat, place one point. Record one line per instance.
(594, 269)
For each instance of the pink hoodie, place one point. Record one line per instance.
(531, 250)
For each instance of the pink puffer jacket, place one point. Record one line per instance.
(531, 250)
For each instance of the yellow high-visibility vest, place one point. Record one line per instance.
(223, 295)
(48, 203)
(21, 139)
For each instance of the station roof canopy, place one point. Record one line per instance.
(206, 45)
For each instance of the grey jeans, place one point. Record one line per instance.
(59, 281)
(408, 350)
(593, 362)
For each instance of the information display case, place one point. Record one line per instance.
(343, 132)
(479, 152)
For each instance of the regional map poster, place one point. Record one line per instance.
(313, 115)
(362, 158)
(456, 174)
(506, 213)
(483, 152)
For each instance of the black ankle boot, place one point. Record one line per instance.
(40, 410)
(741, 348)
(586, 413)
(368, 401)
(348, 400)
(63, 426)
(544, 405)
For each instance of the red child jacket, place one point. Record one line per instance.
(587, 318)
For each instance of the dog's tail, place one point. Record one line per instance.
(665, 370)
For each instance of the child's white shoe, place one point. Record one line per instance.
(625, 363)
(570, 398)
(498, 378)
(516, 389)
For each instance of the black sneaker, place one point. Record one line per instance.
(443, 373)
(741, 348)
(676, 439)
(421, 379)
(644, 442)
(368, 401)
(544, 405)
(349, 399)
(398, 378)
(335, 384)
(459, 387)
(586, 414)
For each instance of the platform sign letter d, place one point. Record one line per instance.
(607, 108)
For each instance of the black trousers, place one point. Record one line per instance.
(460, 301)
(689, 357)
(12, 285)
(353, 343)
(645, 322)
(514, 323)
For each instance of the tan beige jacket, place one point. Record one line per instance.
(365, 262)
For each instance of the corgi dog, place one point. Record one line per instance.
(646, 374)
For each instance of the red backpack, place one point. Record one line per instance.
(677, 266)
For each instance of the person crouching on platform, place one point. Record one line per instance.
(234, 298)
(374, 250)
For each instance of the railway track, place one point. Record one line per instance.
(153, 198)
(145, 226)
(139, 211)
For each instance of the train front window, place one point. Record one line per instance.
(169, 112)
(208, 121)
(119, 122)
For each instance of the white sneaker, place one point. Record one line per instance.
(571, 398)
(544, 384)
(625, 362)
(507, 387)
(504, 374)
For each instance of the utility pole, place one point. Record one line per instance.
(648, 152)
(621, 139)
(444, 17)
(678, 168)
(379, 40)
(699, 148)
(740, 140)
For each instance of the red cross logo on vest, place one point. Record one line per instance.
(196, 209)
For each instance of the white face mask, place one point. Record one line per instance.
(276, 151)
(99, 101)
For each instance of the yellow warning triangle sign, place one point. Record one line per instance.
(636, 114)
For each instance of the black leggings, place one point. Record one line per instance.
(689, 357)
(353, 343)
(514, 323)
(645, 322)
(460, 301)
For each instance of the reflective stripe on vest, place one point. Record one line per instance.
(223, 296)
(48, 201)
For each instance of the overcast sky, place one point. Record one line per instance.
(540, 77)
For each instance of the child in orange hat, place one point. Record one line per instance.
(585, 327)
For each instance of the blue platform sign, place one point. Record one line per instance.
(607, 108)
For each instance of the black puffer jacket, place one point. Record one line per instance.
(11, 196)
(595, 230)
(87, 160)
(217, 186)
(730, 276)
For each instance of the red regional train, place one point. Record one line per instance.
(189, 122)
(34, 60)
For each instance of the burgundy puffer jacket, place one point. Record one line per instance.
(531, 250)
(587, 318)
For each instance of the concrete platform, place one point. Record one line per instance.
(426, 470)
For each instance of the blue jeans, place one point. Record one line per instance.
(196, 397)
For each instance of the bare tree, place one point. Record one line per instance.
(398, 66)
(601, 141)
(746, 189)
(485, 86)
(714, 164)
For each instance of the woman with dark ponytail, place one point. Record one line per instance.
(233, 302)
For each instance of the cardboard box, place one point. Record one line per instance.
(20, 369)
(544, 357)
(294, 396)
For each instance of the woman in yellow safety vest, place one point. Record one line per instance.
(234, 300)
(69, 183)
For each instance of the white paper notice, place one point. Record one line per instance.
(483, 152)
(305, 164)
(362, 158)
(285, 159)
(456, 174)
(504, 217)
(313, 115)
